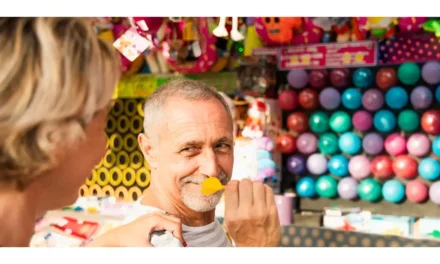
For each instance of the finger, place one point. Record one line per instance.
(259, 195)
(271, 204)
(245, 194)
(160, 223)
(231, 197)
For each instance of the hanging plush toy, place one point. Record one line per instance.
(358, 28)
(278, 30)
(310, 33)
(382, 27)
(411, 24)
(335, 28)
(221, 32)
(258, 115)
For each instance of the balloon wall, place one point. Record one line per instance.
(364, 133)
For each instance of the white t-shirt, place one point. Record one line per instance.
(211, 235)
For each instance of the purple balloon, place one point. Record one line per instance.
(373, 143)
(359, 167)
(317, 164)
(307, 143)
(296, 164)
(298, 78)
(330, 98)
(362, 120)
(434, 192)
(421, 97)
(431, 72)
(347, 188)
(372, 99)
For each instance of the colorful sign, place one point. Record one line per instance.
(328, 55)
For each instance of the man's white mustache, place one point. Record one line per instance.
(198, 179)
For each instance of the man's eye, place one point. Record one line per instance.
(223, 146)
(190, 149)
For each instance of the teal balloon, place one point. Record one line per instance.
(370, 190)
(319, 122)
(328, 143)
(349, 143)
(409, 73)
(408, 120)
(396, 97)
(338, 165)
(393, 191)
(384, 121)
(352, 98)
(327, 186)
(363, 77)
(340, 121)
(429, 169)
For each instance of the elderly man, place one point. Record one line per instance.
(188, 137)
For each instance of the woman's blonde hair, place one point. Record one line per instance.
(55, 74)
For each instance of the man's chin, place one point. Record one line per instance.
(201, 203)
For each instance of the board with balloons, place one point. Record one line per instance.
(363, 133)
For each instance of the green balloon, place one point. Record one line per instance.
(409, 73)
(340, 121)
(318, 122)
(408, 120)
(326, 186)
(369, 190)
(328, 143)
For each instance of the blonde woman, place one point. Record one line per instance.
(56, 82)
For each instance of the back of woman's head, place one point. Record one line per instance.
(55, 74)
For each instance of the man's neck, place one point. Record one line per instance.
(189, 217)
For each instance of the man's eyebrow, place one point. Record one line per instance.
(192, 143)
(224, 140)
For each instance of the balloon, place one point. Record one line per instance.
(338, 165)
(409, 73)
(408, 120)
(363, 77)
(348, 188)
(327, 186)
(297, 78)
(431, 72)
(352, 98)
(396, 97)
(340, 121)
(317, 164)
(372, 100)
(384, 121)
(306, 187)
(436, 146)
(330, 98)
(417, 191)
(372, 143)
(418, 145)
(308, 99)
(395, 144)
(340, 78)
(318, 78)
(349, 143)
(328, 144)
(393, 191)
(369, 190)
(288, 100)
(431, 122)
(296, 164)
(437, 94)
(434, 192)
(359, 167)
(319, 122)
(286, 143)
(386, 78)
(307, 143)
(404, 166)
(382, 167)
(429, 169)
(362, 120)
(298, 122)
(421, 97)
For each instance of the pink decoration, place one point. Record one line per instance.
(417, 191)
(359, 167)
(395, 144)
(418, 145)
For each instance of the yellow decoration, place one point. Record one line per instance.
(136, 86)
(211, 186)
(115, 181)
(92, 210)
(252, 40)
(129, 177)
(99, 180)
(139, 181)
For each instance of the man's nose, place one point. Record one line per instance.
(209, 164)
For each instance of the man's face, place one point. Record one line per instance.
(195, 141)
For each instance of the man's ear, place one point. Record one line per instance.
(146, 145)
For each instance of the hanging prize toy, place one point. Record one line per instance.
(358, 28)
(382, 27)
(191, 38)
(221, 31)
(252, 40)
(411, 24)
(240, 117)
(326, 24)
(341, 28)
(433, 26)
(309, 34)
(278, 30)
(335, 28)
(258, 117)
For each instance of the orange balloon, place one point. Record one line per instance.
(404, 166)
(298, 122)
(431, 122)
(286, 143)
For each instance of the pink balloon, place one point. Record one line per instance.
(395, 144)
(417, 191)
(362, 120)
(307, 143)
(418, 145)
(359, 167)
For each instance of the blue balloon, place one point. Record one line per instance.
(384, 121)
(338, 165)
(437, 94)
(436, 146)
(305, 187)
(363, 77)
(352, 98)
(429, 169)
(393, 191)
(349, 143)
(396, 97)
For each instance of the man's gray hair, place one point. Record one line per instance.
(184, 88)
